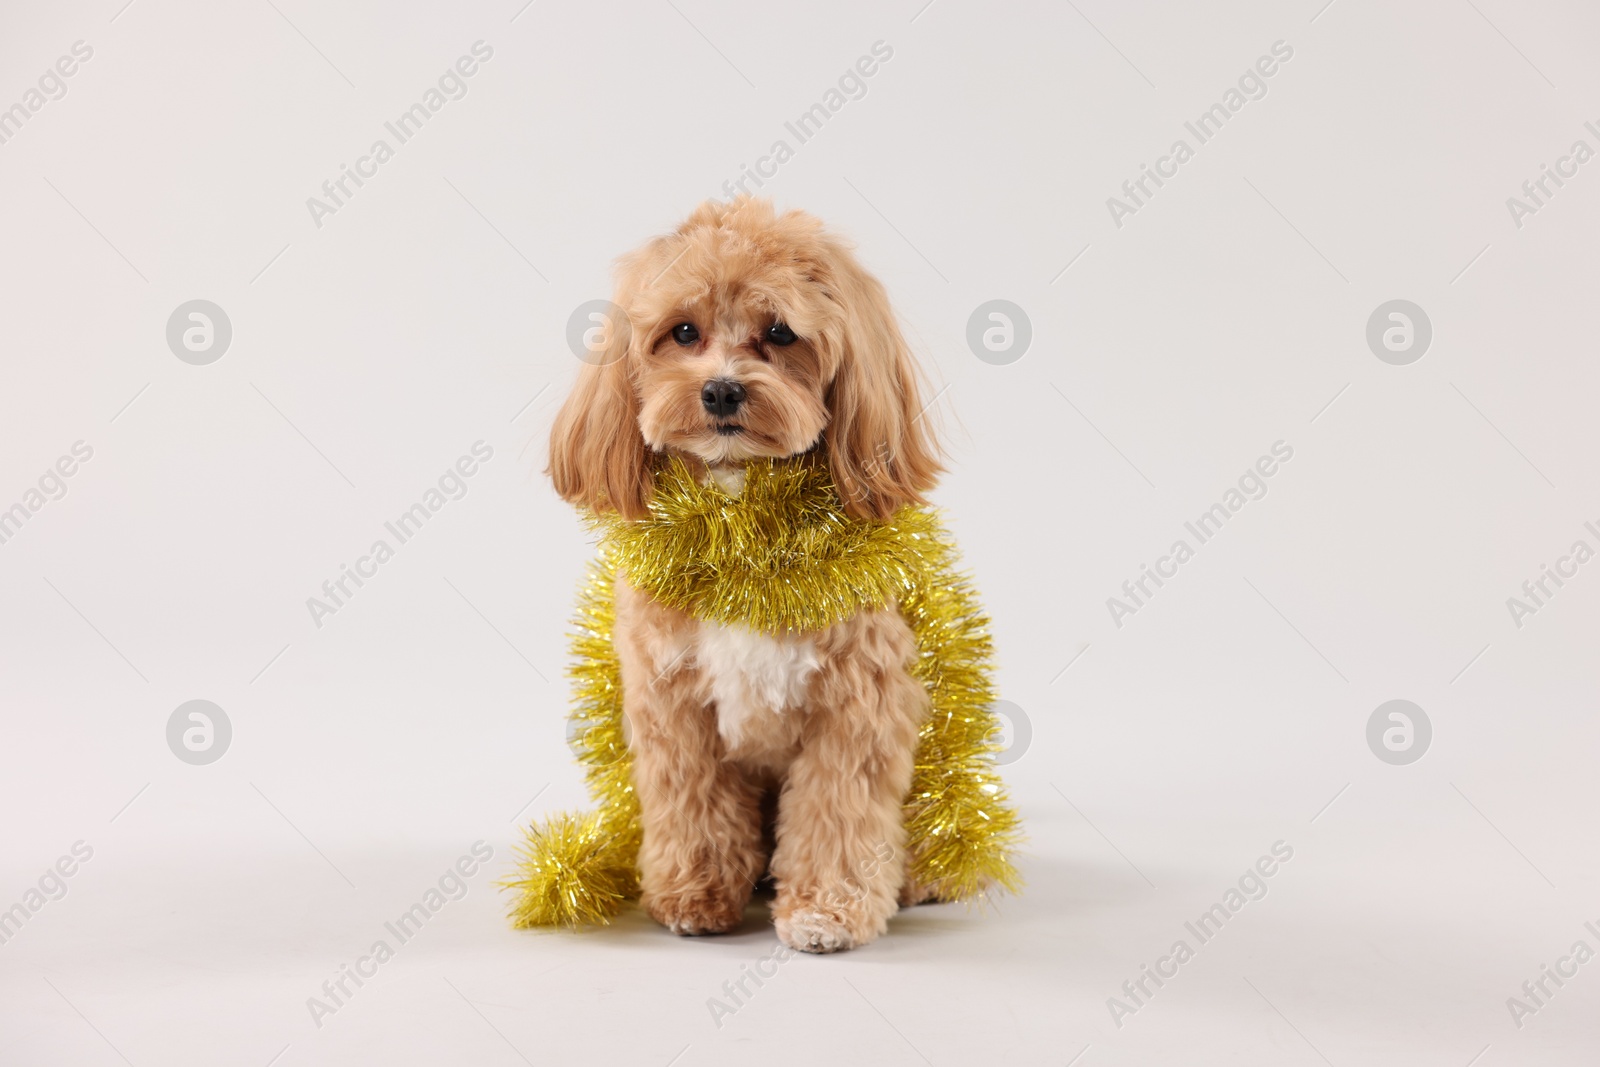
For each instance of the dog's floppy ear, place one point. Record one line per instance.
(597, 458)
(881, 446)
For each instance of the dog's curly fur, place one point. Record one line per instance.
(722, 718)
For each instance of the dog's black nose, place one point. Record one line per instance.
(722, 396)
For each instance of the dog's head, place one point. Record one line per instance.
(748, 335)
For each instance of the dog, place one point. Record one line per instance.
(751, 335)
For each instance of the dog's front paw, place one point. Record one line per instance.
(694, 911)
(817, 921)
(812, 929)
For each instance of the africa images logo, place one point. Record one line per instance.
(1252, 85)
(452, 85)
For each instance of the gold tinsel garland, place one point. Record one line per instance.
(782, 555)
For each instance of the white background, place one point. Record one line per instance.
(430, 312)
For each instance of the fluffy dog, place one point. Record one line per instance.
(751, 335)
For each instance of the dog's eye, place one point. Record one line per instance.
(780, 334)
(685, 334)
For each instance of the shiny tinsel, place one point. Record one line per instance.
(782, 555)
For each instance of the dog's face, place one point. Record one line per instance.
(748, 335)
(723, 376)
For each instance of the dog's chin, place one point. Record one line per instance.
(729, 444)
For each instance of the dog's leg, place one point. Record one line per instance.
(913, 892)
(702, 850)
(840, 858)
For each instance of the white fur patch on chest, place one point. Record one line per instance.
(753, 673)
